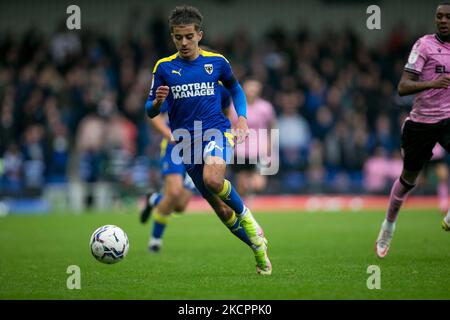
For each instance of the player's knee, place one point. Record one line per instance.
(410, 177)
(213, 184)
(181, 205)
(173, 192)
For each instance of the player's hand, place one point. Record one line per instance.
(172, 139)
(161, 94)
(169, 137)
(443, 82)
(241, 130)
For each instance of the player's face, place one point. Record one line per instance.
(186, 40)
(252, 88)
(443, 20)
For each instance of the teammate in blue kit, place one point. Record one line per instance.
(177, 188)
(188, 81)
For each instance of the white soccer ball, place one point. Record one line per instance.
(109, 244)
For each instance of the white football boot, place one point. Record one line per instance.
(446, 222)
(384, 238)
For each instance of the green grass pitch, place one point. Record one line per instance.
(320, 255)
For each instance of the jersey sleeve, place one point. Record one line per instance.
(157, 81)
(232, 85)
(226, 74)
(417, 57)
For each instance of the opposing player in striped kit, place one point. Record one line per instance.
(426, 74)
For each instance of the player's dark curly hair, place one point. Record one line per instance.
(183, 15)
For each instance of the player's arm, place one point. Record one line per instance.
(156, 97)
(410, 84)
(238, 96)
(240, 105)
(159, 125)
(153, 105)
(239, 102)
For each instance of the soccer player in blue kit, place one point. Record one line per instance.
(177, 184)
(188, 81)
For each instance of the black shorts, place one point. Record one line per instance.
(419, 139)
(246, 166)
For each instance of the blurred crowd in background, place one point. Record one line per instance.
(72, 107)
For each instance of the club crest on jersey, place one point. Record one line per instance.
(209, 68)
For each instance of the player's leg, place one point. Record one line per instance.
(185, 196)
(248, 181)
(442, 174)
(167, 167)
(243, 182)
(259, 181)
(243, 227)
(214, 180)
(183, 201)
(444, 141)
(399, 192)
(152, 199)
(418, 141)
(173, 187)
(443, 194)
(240, 228)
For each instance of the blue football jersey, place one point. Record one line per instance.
(225, 100)
(194, 93)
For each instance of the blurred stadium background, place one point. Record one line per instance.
(72, 124)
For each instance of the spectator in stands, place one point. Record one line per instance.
(257, 147)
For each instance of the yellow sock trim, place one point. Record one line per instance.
(226, 190)
(160, 218)
(232, 220)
